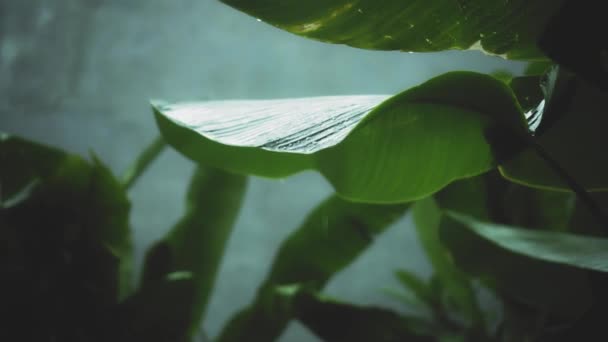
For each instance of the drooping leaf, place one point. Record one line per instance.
(398, 150)
(65, 242)
(573, 136)
(534, 283)
(196, 243)
(332, 236)
(546, 286)
(583, 252)
(334, 321)
(508, 28)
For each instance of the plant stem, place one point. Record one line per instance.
(143, 162)
(582, 194)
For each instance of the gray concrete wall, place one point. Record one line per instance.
(78, 74)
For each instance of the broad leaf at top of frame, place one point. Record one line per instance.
(507, 28)
(334, 234)
(371, 148)
(572, 133)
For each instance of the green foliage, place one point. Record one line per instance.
(507, 172)
(508, 28)
(400, 151)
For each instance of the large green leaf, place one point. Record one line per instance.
(195, 245)
(369, 148)
(335, 321)
(64, 241)
(332, 236)
(508, 28)
(573, 136)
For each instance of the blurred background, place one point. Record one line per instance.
(78, 74)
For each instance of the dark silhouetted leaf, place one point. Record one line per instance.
(64, 242)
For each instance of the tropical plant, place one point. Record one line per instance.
(505, 176)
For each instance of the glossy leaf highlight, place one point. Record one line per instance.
(403, 149)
